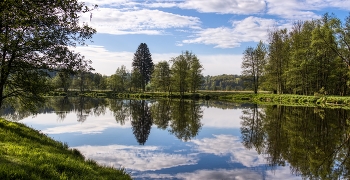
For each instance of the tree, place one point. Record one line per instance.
(179, 72)
(62, 80)
(186, 73)
(253, 64)
(161, 76)
(278, 61)
(118, 81)
(195, 72)
(143, 64)
(34, 38)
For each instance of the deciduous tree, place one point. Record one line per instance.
(35, 36)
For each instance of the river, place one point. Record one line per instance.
(184, 139)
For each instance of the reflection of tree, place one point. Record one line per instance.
(161, 113)
(62, 106)
(120, 109)
(84, 107)
(315, 141)
(186, 119)
(141, 120)
(251, 128)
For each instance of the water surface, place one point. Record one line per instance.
(200, 139)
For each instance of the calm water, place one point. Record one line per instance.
(200, 139)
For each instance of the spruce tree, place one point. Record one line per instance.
(143, 64)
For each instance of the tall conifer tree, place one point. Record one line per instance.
(143, 64)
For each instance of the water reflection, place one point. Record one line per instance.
(310, 142)
(314, 141)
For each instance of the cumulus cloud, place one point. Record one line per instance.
(139, 21)
(248, 29)
(139, 158)
(303, 9)
(226, 6)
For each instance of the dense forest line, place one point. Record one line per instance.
(313, 57)
(90, 81)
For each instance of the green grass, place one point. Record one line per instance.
(26, 153)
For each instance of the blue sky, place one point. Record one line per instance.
(217, 31)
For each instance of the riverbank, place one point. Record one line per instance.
(233, 96)
(26, 153)
(292, 100)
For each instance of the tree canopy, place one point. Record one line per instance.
(37, 36)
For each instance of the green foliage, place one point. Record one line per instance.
(186, 73)
(120, 81)
(28, 154)
(35, 38)
(161, 76)
(313, 55)
(223, 82)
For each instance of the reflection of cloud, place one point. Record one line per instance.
(88, 127)
(220, 118)
(229, 145)
(279, 173)
(209, 174)
(97, 124)
(140, 158)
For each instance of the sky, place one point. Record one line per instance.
(216, 31)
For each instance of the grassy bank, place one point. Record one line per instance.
(28, 154)
(291, 100)
(233, 96)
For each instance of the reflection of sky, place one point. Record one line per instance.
(216, 153)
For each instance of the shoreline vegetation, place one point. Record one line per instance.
(26, 153)
(264, 97)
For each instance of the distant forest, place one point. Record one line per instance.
(97, 81)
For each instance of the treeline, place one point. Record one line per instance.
(313, 57)
(223, 82)
(180, 74)
(121, 81)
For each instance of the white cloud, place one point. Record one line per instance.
(293, 9)
(140, 21)
(303, 9)
(139, 158)
(221, 64)
(226, 6)
(246, 30)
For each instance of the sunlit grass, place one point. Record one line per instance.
(28, 154)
